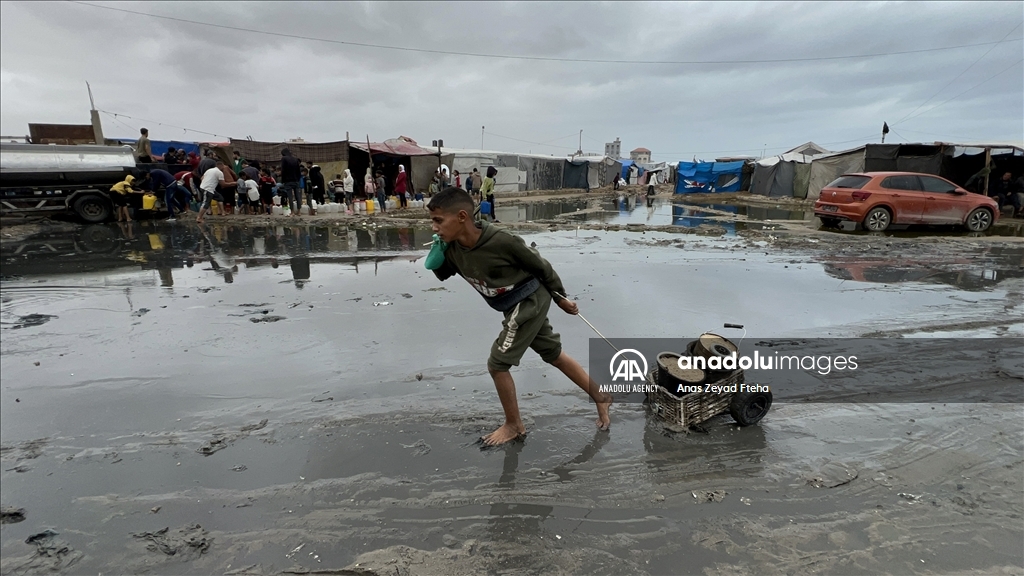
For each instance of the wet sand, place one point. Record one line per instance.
(342, 435)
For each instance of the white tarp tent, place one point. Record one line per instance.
(827, 167)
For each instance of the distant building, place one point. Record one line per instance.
(296, 141)
(613, 149)
(640, 156)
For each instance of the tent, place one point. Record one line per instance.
(698, 177)
(574, 174)
(542, 173)
(601, 170)
(828, 167)
(631, 171)
(420, 163)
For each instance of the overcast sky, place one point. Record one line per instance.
(239, 84)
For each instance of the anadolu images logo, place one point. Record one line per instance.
(628, 368)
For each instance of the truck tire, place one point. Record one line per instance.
(748, 408)
(92, 208)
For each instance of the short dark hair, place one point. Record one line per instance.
(144, 131)
(452, 200)
(236, 152)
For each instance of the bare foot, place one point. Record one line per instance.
(506, 433)
(604, 421)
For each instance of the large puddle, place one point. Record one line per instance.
(676, 211)
(637, 209)
(311, 397)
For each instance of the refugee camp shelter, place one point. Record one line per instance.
(703, 177)
(332, 157)
(785, 175)
(420, 163)
(808, 149)
(956, 162)
(601, 170)
(631, 171)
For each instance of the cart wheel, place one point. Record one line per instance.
(748, 408)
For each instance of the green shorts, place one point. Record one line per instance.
(525, 326)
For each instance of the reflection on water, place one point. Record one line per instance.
(164, 247)
(989, 267)
(1000, 228)
(639, 209)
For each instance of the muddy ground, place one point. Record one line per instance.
(254, 397)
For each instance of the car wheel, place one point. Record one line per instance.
(979, 220)
(830, 222)
(877, 220)
(748, 408)
(92, 208)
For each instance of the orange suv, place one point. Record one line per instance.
(878, 199)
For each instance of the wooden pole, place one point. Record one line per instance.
(988, 159)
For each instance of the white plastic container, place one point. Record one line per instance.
(304, 210)
(277, 210)
(277, 200)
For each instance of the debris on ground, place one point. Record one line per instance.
(32, 320)
(265, 319)
(187, 543)
(703, 496)
(382, 303)
(221, 442)
(833, 475)
(51, 555)
(10, 515)
(419, 447)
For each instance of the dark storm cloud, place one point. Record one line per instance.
(242, 84)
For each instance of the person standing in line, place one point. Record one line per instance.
(379, 185)
(290, 175)
(478, 181)
(337, 188)
(349, 188)
(401, 184)
(317, 188)
(487, 188)
(267, 185)
(457, 179)
(228, 188)
(144, 149)
(369, 185)
(469, 184)
(237, 163)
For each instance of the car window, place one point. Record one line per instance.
(932, 184)
(903, 182)
(855, 182)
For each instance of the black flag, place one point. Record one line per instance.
(885, 128)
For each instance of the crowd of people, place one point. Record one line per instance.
(246, 187)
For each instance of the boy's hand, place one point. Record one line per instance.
(568, 306)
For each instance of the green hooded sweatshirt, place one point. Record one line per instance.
(502, 268)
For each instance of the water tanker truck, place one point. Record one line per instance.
(44, 179)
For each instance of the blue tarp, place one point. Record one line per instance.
(625, 169)
(698, 177)
(159, 147)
